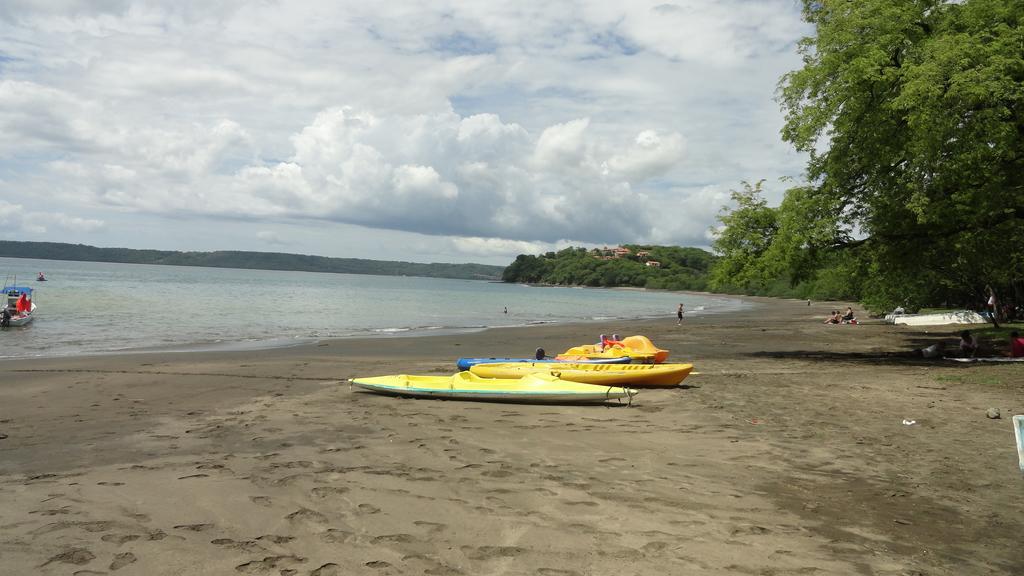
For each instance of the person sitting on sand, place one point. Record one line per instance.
(833, 318)
(848, 318)
(968, 344)
(1016, 345)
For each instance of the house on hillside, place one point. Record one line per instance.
(653, 264)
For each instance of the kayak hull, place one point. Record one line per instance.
(467, 363)
(534, 388)
(634, 375)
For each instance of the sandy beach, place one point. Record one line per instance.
(786, 454)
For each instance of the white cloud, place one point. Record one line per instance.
(651, 155)
(488, 247)
(271, 237)
(531, 122)
(15, 219)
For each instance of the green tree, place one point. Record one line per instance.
(746, 235)
(912, 113)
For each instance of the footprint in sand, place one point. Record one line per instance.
(261, 500)
(110, 483)
(329, 569)
(336, 536)
(325, 491)
(194, 476)
(119, 538)
(556, 572)
(274, 538)
(95, 526)
(432, 527)
(656, 546)
(394, 539)
(268, 564)
(491, 552)
(307, 515)
(77, 556)
(210, 466)
(587, 503)
(291, 479)
(245, 546)
(750, 530)
(194, 527)
(122, 560)
(367, 509)
(380, 564)
(53, 511)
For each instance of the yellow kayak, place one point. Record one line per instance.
(636, 375)
(638, 348)
(536, 388)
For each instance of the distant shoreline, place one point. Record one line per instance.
(246, 260)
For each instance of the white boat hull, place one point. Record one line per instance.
(23, 319)
(940, 319)
(603, 394)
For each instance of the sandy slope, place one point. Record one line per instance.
(785, 455)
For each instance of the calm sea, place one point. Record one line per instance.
(93, 307)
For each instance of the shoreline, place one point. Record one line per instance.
(745, 303)
(785, 453)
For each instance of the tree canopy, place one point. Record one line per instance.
(679, 268)
(911, 114)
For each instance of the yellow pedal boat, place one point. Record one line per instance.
(533, 388)
(635, 375)
(638, 348)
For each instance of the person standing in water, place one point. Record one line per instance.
(679, 314)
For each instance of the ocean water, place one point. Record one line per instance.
(93, 307)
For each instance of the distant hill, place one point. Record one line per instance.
(250, 260)
(665, 267)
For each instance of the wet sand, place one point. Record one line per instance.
(786, 454)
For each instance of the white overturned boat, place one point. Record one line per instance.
(939, 318)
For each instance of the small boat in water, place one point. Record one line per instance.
(17, 306)
(533, 388)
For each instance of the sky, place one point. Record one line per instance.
(422, 131)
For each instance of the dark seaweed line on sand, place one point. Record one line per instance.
(220, 374)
